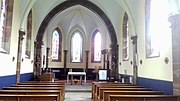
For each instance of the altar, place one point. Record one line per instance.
(81, 74)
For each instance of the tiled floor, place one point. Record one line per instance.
(78, 96)
(78, 92)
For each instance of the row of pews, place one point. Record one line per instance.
(110, 91)
(34, 91)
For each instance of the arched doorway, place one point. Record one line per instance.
(58, 9)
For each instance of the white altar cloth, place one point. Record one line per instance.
(81, 74)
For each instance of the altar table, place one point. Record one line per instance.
(81, 74)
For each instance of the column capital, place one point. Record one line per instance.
(65, 51)
(87, 51)
(134, 39)
(104, 51)
(21, 34)
(38, 44)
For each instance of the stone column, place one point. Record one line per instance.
(175, 23)
(65, 61)
(135, 67)
(107, 66)
(47, 59)
(87, 59)
(19, 53)
(104, 52)
(37, 59)
(114, 62)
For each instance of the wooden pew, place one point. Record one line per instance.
(142, 98)
(34, 92)
(45, 84)
(35, 85)
(94, 84)
(36, 88)
(106, 93)
(42, 83)
(112, 85)
(23, 97)
(32, 88)
(119, 89)
(98, 91)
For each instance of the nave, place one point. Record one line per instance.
(95, 91)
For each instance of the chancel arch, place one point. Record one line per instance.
(90, 6)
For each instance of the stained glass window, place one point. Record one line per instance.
(96, 47)
(6, 13)
(125, 41)
(56, 45)
(76, 47)
(28, 36)
(156, 25)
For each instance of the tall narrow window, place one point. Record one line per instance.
(125, 51)
(96, 47)
(28, 36)
(156, 25)
(76, 47)
(6, 13)
(56, 45)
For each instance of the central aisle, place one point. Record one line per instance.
(78, 92)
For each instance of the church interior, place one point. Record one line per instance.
(87, 46)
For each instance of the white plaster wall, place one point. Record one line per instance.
(66, 42)
(154, 68)
(7, 66)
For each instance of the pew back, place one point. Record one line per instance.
(106, 93)
(94, 84)
(119, 89)
(23, 97)
(33, 92)
(142, 98)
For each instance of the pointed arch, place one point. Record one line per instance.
(89, 5)
(69, 3)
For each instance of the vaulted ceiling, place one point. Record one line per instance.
(78, 15)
